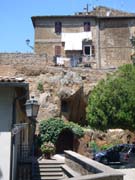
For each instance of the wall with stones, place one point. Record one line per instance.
(110, 37)
(46, 39)
(115, 47)
(22, 58)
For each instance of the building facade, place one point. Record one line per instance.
(100, 37)
(15, 129)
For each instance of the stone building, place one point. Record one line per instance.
(99, 38)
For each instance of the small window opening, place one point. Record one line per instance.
(64, 106)
(58, 27)
(87, 50)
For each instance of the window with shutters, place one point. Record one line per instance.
(86, 26)
(58, 27)
(57, 50)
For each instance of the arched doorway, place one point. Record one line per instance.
(65, 141)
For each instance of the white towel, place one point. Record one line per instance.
(73, 41)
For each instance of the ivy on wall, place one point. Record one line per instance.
(51, 128)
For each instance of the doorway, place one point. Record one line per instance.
(65, 141)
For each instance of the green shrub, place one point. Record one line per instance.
(93, 146)
(51, 128)
(105, 146)
(40, 87)
(112, 102)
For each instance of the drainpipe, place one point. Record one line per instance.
(98, 44)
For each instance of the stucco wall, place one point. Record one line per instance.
(6, 103)
(6, 97)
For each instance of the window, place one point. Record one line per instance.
(57, 50)
(86, 26)
(64, 106)
(58, 27)
(88, 50)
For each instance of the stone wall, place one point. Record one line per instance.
(110, 37)
(45, 37)
(22, 58)
(102, 139)
(115, 47)
(90, 169)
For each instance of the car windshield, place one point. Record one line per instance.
(126, 149)
(116, 148)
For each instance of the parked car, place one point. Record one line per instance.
(111, 155)
(127, 155)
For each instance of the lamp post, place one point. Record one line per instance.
(28, 43)
(32, 108)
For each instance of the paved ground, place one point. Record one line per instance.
(129, 173)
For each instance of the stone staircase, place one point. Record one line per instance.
(48, 170)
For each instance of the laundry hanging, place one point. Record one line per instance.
(73, 41)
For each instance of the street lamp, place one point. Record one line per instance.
(28, 43)
(32, 108)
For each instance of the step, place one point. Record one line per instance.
(49, 174)
(47, 166)
(49, 178)
(50, 162)
(49, 169)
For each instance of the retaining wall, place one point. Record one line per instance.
(90, 169)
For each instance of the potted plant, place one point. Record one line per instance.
(47, 149)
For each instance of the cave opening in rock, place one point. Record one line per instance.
(73, 107)
(65, 141)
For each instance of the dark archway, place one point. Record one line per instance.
(65, 141)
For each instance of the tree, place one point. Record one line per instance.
(112, 102)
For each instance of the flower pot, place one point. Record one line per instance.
(46, 156)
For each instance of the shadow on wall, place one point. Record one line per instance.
(0, 174)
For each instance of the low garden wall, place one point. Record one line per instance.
(90, 169)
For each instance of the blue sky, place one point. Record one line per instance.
(15, 17)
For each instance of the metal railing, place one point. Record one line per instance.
(24, 153)
(25, 159)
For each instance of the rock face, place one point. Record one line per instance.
(61, 92)
(64, 92)
(100, 138)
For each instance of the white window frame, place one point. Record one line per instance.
(90, 46)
